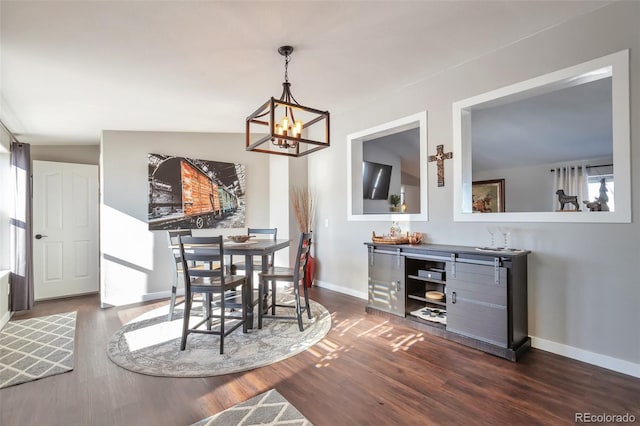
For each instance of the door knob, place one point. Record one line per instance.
(40, 236)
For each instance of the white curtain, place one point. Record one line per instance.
(573, 181)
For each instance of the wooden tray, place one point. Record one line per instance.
(388, 240)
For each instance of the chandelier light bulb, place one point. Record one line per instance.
(297, 129)
(286, 126)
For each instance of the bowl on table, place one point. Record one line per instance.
(239, 238)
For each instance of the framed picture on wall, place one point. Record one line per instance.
(488, 196)
(188, 193)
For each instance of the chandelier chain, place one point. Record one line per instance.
(287, 58)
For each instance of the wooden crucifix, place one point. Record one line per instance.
(439, 158)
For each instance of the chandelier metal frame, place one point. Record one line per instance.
(286, 141)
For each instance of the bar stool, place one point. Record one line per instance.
(174, 245)
(211, 282)
(293, 275)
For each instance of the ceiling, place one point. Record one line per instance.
(70, 69)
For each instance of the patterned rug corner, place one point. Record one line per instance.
(34, 348)
(268, 408)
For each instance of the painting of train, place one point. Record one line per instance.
(187, 193)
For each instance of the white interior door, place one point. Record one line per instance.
(65, 229)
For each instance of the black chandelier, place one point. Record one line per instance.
(289, 135)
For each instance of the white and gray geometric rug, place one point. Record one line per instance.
(34, 348)
(150, 344)
(269, 408)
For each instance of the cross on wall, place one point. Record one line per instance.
(439, 159)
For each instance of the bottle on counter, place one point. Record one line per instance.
(395, 230)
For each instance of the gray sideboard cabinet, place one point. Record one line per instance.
(482, 294)
(386, 283)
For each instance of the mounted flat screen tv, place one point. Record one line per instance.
(375, 180)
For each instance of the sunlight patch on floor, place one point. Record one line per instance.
(153, 335)
(346, 325)
(382, 329)
(404, 342)
(326, 351)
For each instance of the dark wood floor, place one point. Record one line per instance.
(367, 371)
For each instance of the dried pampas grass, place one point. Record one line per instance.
(304, 206)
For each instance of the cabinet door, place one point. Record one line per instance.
(386, 282)
(477, 302)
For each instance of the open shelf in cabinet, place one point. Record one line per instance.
(426, 280)
(441, 303)
(417, 286)
(413, 305)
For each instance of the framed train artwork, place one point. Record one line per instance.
(187, 193)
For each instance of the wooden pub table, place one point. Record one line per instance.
(249, 249)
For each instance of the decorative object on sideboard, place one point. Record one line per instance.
(506, 237)
(287, 136)
(439, 159)
(387, 239)
(415, 238)
(395, 230)
(564, 199)
(492, 231)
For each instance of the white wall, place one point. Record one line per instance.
(298, 177)
(571, 265)
(135, 262)
(5, 203)
(82, 154)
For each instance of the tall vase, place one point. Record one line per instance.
(311, 270)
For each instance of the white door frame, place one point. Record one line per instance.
(65, 229)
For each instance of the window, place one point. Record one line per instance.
(602, 186)
(5, 204)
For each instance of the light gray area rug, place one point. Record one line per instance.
(34, 348)
(269, 408)
(150, 344)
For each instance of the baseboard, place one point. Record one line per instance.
(5, 319)
(604, 361)
(341, 289)
(146, 297)
(160, 295)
